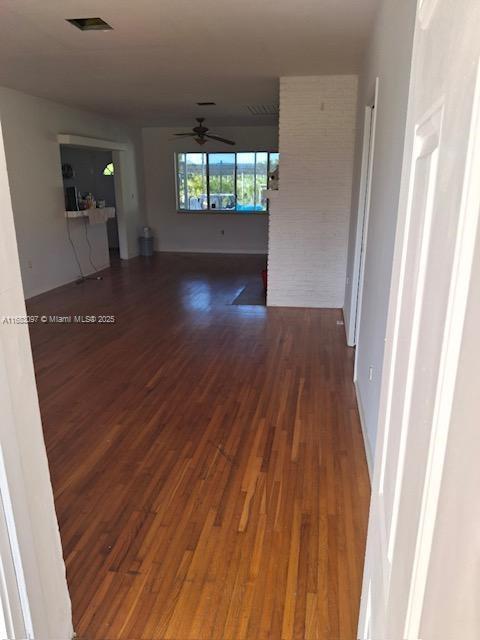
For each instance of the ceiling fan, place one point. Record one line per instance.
(200, 135)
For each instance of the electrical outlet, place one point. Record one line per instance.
(370, 373)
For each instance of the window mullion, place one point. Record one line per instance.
(186, 199)
(255, 181)
(235, 183)
(207, 171)
(267, 203)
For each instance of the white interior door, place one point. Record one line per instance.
(438, 217)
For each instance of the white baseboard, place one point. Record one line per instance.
(38, 291)
(226, 251)
(366, 442)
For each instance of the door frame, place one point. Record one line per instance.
(15, 615)
(452, 331)
(364, 198)
(33, 590)
(118, 158)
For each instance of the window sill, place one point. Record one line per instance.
(221, 212)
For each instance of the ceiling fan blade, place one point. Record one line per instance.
(185, 134)
(207, 135)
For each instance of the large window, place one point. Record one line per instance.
(228, 182)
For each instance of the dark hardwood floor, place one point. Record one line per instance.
(207, 461)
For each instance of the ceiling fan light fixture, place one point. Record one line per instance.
(200, 135)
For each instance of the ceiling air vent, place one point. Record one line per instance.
(206, 104)
(263, 109)
(89, 24)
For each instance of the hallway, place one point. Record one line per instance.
(207, 460)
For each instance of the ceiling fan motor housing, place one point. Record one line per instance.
(200, 135)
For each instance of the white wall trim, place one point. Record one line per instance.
(90, 143)
(361, 222)
(363, 216)
(366, 442)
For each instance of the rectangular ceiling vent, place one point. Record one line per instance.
(263, 109)
(89, 24)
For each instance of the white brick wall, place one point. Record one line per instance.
(309, 220)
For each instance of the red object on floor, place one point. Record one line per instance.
(265, 278)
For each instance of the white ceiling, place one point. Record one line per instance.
(165, 55)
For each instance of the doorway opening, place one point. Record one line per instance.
(89, 188)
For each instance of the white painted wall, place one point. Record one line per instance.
(30, 128)
(309, 219)
(388, 58)
(200, 232)
(24, 475)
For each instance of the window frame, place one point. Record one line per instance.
(215, 211)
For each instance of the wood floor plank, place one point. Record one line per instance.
(207, 460)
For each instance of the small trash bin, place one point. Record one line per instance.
(146, 242)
